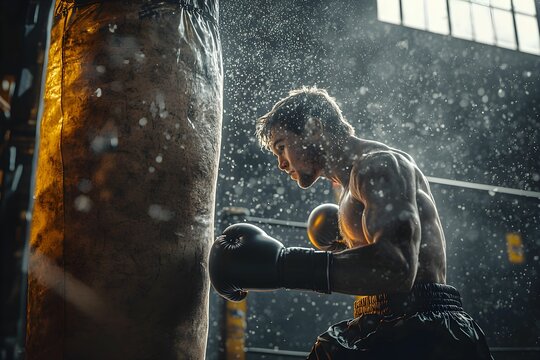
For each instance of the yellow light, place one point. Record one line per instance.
(514, 245)
(235, 329)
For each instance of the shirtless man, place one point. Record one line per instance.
(395, 247)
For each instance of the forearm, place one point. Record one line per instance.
(370, 270)
(245, 258)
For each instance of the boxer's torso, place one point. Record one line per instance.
(432, 257)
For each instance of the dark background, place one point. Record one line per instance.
(463, 110)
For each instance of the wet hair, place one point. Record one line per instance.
(293, 112)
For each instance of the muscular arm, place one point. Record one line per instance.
(384, 182)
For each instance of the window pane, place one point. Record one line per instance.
(501, 4)
(504, 29)
(483, 28)
(524, 6)
(388, 11)
(483, 2)
(414, 13)
(460, 16)
(527, 28)
(437, 16)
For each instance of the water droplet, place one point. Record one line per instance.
(85, 185)
(158, 212)
(83, 203)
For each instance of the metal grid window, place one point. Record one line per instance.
(510, 24)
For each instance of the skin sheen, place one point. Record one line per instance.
(387, 214)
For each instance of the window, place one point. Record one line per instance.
(510, 24)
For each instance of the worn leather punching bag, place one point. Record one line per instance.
(125, 183)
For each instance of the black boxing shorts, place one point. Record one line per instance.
(427, 323)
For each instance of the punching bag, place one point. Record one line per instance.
(125, 182)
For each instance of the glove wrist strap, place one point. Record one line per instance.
(303, 268)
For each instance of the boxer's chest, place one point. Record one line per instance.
(350, 220)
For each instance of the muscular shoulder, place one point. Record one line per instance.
(380, 170)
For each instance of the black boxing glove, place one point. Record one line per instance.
(246, 258)
(323, 228)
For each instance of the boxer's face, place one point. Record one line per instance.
(296, 156)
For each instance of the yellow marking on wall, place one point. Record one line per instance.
(235, 325)
(514, 246)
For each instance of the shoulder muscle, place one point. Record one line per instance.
(383, 176)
